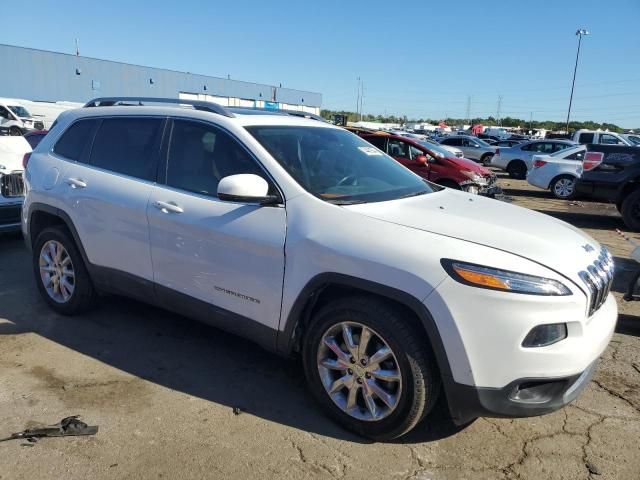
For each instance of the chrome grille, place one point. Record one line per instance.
(598, 278)
(11, 185)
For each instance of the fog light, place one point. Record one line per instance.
(544, 335)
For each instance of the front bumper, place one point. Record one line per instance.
(10, 216)
(544, 395)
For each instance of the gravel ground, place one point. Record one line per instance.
(163, 390)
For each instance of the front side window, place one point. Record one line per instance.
(398, 149)
(610, 139)
(128, 145)
(200, 155)
(19, 111)
(338, 166)
(454, 142)
(75, 140)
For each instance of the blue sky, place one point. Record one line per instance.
(419, 58)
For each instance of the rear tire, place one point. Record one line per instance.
(61, 275)
(517, 169)
(413, 392)
(486, 159)
(15, 132)
(631, 210)
(563, 187)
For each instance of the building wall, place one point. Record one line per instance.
(50, 76)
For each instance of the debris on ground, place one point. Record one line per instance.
(68, 426)
(237, 411)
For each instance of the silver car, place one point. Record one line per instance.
(472, 147)
(518, 159)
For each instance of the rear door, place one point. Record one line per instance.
(106, 190)
(227, 254)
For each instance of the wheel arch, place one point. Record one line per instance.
(42, 216)
(326, 287)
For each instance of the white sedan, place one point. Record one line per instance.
(557, 172)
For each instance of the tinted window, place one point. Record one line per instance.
(586, 138)
(579, 155)
(456, 142)
(559, 146)
(75, 139)
(201, 155)
(128, 146)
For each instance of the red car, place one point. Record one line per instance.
(435, 164)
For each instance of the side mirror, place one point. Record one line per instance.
(246, 188)
(422, 159)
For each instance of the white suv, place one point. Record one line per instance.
(308, 240)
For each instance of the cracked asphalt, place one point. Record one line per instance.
(163, 390)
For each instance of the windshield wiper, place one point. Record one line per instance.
(345, 202)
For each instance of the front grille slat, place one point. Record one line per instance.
(11, 185)
(598, 278)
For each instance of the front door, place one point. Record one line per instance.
(226, 254)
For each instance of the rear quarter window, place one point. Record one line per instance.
(75, 140)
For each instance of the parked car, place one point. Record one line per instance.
(517, 160)
(472, 147)
(557, 172)
(599, 137)
(490, 141)
(632, 138)
(612, 173)
(16, 117)
(34, 137)
(12, 152)
(436, 164)
(455, 151)
(309, 240)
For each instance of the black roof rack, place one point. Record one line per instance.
(139, 101)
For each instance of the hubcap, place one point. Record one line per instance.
(564, 187)
(56, 271)
(359, 371)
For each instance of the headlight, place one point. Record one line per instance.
(505, 280)
(473, 176)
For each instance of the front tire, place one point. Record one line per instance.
(486, 159)
(61, 275)
(369, 368)
(15, 132)
(563, 187)
(631, 210)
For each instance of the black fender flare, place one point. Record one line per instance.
(308, 295)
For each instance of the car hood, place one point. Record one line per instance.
(466, 164)
(12, 150)
(492, 223)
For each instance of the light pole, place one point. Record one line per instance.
(579, 33)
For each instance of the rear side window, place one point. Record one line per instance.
(456, 142)
(377, 141)
(585, 138)
(129, 146)
(75, 139)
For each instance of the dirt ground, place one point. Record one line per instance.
(163, 390)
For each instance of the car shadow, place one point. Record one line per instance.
(628, 325)
(590, 220)
(179, 354)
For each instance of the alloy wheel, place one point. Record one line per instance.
(564, 187)
(359, 371)
(56, 271)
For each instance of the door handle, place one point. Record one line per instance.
(76, 183)
(168, 207)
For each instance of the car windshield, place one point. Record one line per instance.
(19, 111)
(633, 139)
(338, 166)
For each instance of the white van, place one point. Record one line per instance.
(499, 132)
(16, 118)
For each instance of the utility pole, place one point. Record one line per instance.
(498, 119)
(579, 33)
(469, 109)
(361, 97)
(77, 47)
(358, 97)
(530, 120)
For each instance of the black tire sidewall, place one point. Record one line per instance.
(393, 425)
(515, 170)
(83, 290)
(633, 199)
